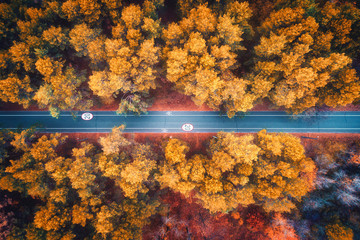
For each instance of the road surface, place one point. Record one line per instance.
(161, 122)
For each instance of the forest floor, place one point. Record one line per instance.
(167, 99)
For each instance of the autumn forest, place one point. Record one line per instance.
(296, 55)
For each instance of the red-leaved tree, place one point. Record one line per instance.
(185, 219)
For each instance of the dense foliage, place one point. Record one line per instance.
(71, 55)
(297, 62)
(81, 191)
(227, 54)
(201, 51)
(269, 171)
(261, 186)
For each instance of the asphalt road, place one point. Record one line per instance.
(157, 122)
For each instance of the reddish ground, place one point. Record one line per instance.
(349, 107)
(113, 106)
(167, 99)
(185, 217)
(170, 100)
(17, 107)
(266, 105)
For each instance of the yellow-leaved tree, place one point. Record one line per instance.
(269, 170)
(129, 164)
(341, 20)
(85, 10)
(40, 46)
(296, 66)
(16, 90)
(338, 231)
(124, 220)
(200, 52)
(130, 58)
(281, 171)
(83, 173)
(61, 88)
(104, 194)
(112, 142)
(29, 169)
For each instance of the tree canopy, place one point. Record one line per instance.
(131, 57)
(260, 185)
(227, 54)
(74, 187)
(298, 64)
(200, 52)
(268, 170)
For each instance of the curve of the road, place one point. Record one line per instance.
(172, 122)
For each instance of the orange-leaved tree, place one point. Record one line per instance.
(297, 66)
(61, 88)
(338, 231)
(127, 63)
(281, 229)
(200, 52)
(128, 163)
(268, 169)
